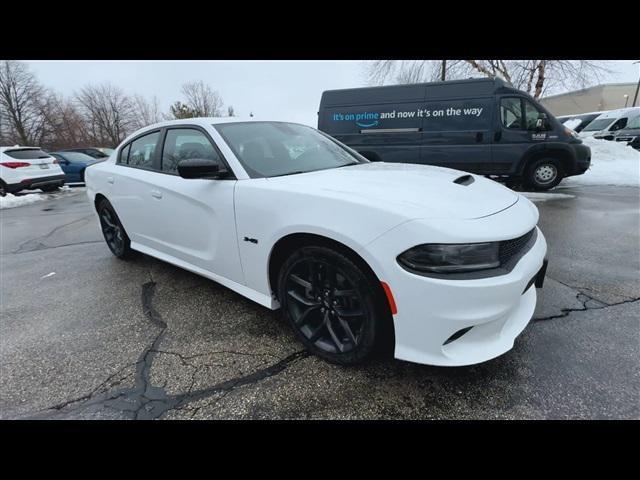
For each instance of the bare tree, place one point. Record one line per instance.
(66, 126)
(230, 111)
(21, 103)
(204, 101)
(147, 112)
(109, 113)
(536, 77)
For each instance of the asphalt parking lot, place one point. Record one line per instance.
(85, 335)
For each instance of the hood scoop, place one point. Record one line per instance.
(464, 180)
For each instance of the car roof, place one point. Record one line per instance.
(203, 122)
(620, 112)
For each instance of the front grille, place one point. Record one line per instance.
(509, 248)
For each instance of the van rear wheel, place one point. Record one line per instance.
(543, 174)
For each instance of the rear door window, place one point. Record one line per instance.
(124, 155)
(143, 150)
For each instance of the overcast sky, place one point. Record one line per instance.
(278, 90)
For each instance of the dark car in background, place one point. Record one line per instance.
(481, 126)
(95, 152)
(73, 164)
(630, 134)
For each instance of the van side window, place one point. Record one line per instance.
(531, 115)
(186, 143)
(620, 124)
(511, 113)
(143, 150)
(124, 155)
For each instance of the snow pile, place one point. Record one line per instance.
(572, 123)
(612, 163)
(11, 201)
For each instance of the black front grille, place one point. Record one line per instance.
(509, 248)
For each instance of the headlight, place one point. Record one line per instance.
(451, 258)
(571, 132)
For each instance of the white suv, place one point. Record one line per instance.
(28, 168)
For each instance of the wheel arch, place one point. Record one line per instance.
(558, 152)
(292, 241)
(99, 198)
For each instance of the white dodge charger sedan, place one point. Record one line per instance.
(438, 265)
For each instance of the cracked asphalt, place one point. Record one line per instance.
(84, 335)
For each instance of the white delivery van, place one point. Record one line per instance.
(608, 123)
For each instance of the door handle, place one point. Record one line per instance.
(156, 194)
(497, 136)
(110, 180)
(479, 137)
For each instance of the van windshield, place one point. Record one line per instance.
(271, 149)
(599, 124)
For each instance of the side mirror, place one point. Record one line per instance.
(541, 121)
(200, 168)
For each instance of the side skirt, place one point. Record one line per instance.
(262, 299)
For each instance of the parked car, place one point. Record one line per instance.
(95, 152)
(605, 125)
(577, 123)
(73, 164)
(28, 168)
(480, 125)
(630, 134)
(437, 263)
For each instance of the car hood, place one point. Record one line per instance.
(414, 191)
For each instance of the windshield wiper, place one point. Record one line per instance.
(293, 173)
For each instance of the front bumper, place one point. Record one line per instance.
(583, 159)
(431, 311)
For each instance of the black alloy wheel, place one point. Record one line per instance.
(113, 231)
(331, 304)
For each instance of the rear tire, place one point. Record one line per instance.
(332, 305)
(114, 233)
(3, 188)
(50, 188)
(543, 174)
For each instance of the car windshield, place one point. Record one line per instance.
(599, 124)
(107, 151)
(270, 149)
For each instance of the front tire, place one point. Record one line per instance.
(113, 231)
(543, 174)
(332, 305)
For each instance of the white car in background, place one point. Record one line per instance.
(28, 168)
(606, 125)
(436, 263)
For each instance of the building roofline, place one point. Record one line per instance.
(593, 87)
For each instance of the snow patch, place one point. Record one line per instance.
(11, 201)
(543, 197)
(612, 163)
